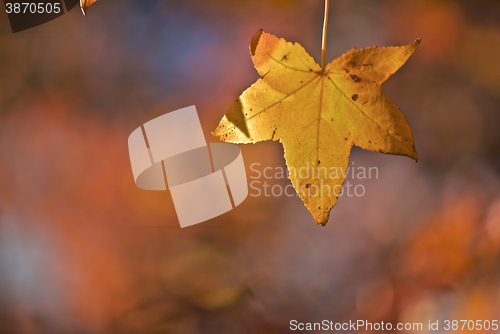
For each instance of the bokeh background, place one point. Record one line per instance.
(83, 250)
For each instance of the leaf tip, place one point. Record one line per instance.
(217, 134)
(322, 222)
(255, 41)
(322, 217)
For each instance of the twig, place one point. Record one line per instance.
(325, 25)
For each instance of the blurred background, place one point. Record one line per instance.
(83, 250)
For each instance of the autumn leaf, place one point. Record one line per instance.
(85, 4)
(318, 114)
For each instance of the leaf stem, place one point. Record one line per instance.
(325, 25)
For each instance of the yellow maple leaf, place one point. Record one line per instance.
(318, 114)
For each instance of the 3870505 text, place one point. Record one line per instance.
(461, 325)
(32, 8)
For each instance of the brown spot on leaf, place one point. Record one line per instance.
(354, 97)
